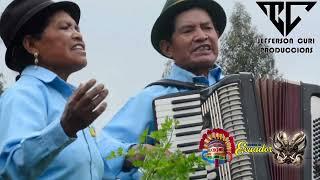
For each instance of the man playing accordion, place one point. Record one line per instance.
(187, 31)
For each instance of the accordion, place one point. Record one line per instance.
(252, 110)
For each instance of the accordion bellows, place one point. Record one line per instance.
(252, 110)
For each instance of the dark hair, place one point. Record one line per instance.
(35, 28)
(170, 27)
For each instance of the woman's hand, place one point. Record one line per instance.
(83, 107)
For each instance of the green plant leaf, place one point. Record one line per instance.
(158, 164)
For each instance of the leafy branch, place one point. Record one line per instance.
(158, 162)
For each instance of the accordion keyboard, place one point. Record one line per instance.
(186, 136)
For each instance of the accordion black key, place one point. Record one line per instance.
(251, 110)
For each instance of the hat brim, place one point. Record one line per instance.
(70, 7)
(216, 12)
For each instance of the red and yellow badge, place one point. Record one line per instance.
(217, 146)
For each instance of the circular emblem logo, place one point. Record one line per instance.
(217, 146)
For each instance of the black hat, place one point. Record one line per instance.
(173, 7)
(19, 12)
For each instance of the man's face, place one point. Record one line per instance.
(194, 42)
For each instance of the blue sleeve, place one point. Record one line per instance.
(28, 139)
(126, 126)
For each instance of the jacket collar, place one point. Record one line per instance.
(49, 77)
(180, 74)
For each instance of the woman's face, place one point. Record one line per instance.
(61, 47)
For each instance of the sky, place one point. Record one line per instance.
(120, 54)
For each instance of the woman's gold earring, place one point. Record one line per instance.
(36, 61)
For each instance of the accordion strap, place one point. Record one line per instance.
(178, 84)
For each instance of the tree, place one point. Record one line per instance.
(167, 68)
(1, 83)
(1, 75)
(240, 51)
